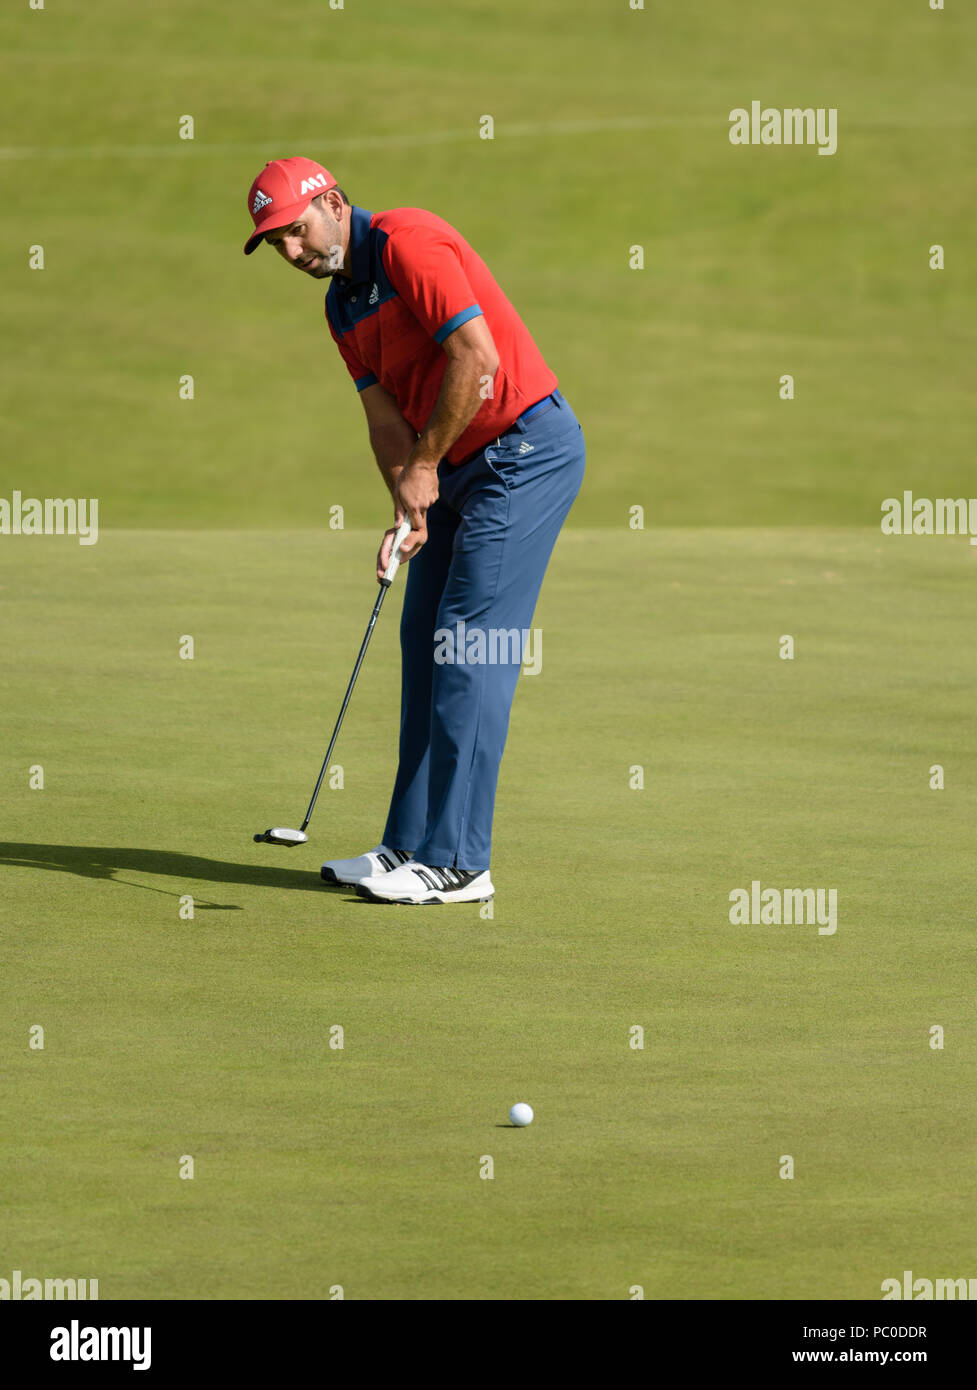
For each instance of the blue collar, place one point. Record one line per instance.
(359, 248)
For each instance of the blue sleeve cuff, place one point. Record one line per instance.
(472, 312)
(362, 382)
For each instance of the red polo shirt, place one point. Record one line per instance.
(414, 280)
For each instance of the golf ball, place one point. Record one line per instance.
(521, 1114)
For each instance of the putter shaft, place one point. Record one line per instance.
(349, 690)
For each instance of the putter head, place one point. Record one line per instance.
(280, 836)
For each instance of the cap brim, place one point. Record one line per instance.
(281, 217)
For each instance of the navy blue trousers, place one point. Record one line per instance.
(469, 591)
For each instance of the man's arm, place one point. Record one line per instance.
(391, 437)
(408, 462)
(471, 358)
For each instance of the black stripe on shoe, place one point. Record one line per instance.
(387, 863)
(402, 855)
(462, 877)
(465, 876)
(446, 879)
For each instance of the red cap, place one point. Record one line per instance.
(282, 192)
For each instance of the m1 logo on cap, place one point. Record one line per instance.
(310, 185)
(260, 200)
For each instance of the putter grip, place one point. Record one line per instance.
(403, 531)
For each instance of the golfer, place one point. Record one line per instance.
(484, 457)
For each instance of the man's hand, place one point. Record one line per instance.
(420, 493)
(416, 489)
(386, 546)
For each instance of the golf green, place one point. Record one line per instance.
(361, 1167)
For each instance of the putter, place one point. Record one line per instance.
(280, 835)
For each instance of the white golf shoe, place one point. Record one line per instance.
(381, 860)
(424, 883)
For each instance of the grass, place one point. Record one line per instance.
(611, 131)
(316, 1166)
(211, 1036)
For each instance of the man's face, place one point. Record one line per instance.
(316, 243)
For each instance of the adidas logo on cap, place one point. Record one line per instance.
(260, 201)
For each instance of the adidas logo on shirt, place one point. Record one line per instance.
(260, 201)
(374, 295)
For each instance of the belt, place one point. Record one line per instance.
(547, 403)
(535, 409)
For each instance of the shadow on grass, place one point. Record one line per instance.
(90, 862)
